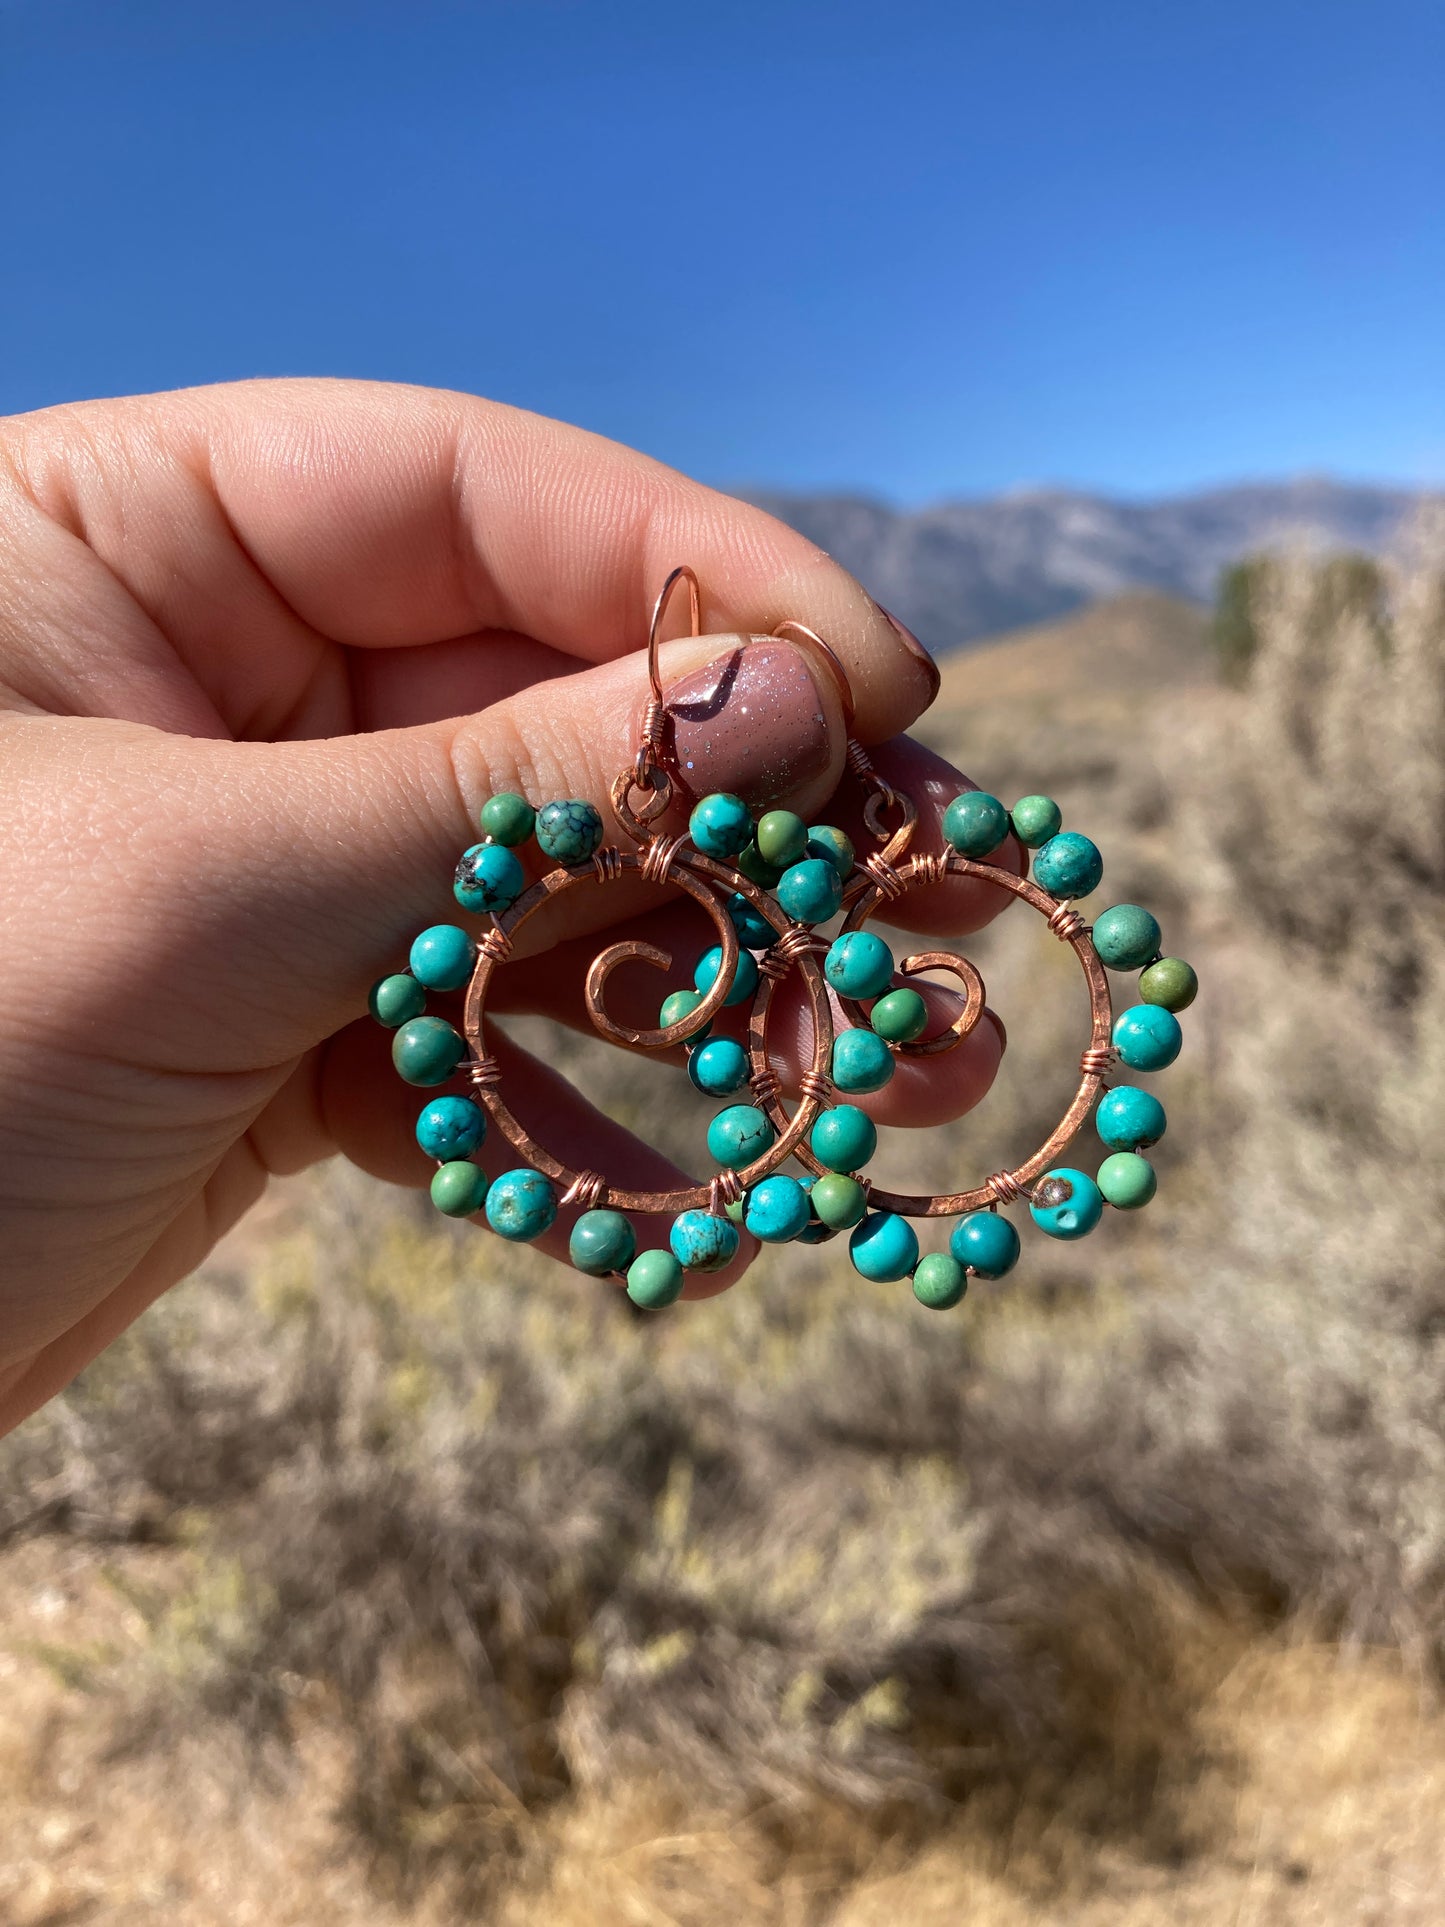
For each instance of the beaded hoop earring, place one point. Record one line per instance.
(767, 886)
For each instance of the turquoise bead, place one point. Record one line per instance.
(1068, 865)
(701, 1242)
(843, 1138)
(832, 847)
(782, 838)
(1147, 1037)
(442, 957)
(570, 831)
(395, 999)
(1067, 1204)
(602, 1242)
(489, 879)
(1126, 937)
(738, 1136)
(754, 930)
(975, 823)
(521, 1205)
(677, 1008)
(900, 1016)
(838, 1202)
(719, 1067)
(811, 891)
(1127, 1181)
(986, 1243)
(1129, 1119)
(757, 869)
(939, 1281)
(1170, 982)
(777, 1209)
(450, 1127)
(654, 1280)
(459, 1189)
(1035, 820)
(427, 1050)
(507, 818)
(745, 974)
(859, 965)
(884, 1247)
(861, 1061)
(721, 825)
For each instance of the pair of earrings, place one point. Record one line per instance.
(767, 887)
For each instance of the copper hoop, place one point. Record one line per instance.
(659, 610)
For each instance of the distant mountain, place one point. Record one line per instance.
(964, 570)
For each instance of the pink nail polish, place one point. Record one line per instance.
(915, 649)
(751, 723)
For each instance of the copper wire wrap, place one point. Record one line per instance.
(779, 958)
(1004, 1188)
(495, 944)
(588, 1188)
(655, 864)
(884, 875)
(725, 1189)
(607, 863)
(484, 1072)
(1067, 925)
(1096, 1061)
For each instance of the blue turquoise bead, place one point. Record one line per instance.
(489, 879)
(1127, 1181)
(1129, 1119)
(459, 1188)
(719, 1067)
(701, 1242)
(1147, 1037)
(986, 1243)
(843, 1138)
(521, 1205)
(777, 1209)
(570, 831)
(975, 823)
(1035, 819)
(450, 1128)
(395, 999)
(1067, 1203)
(884, 1247)
(859, 965)
(654, 1279)
(1126, 936)
(442, 957)
(861, 1061)
(754, 930)
(507, 818)
(745, 974)
(721, 825)
(602, 1242)
(427, 1050)
(1068, 865)
(811, 891)
(739, 1135)
(939, 1281)
(677, 1007)
(832, 846)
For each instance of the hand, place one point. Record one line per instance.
(265, 650)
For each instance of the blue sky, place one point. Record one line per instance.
(915, 249)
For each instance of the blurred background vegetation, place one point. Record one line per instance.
(384, 1573)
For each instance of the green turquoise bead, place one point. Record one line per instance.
(719, 1067)
(701, 1242)
(838, 1202)
(507, 818)
(900, 1016)
(1127, 1181)
(739, 1136)
(884, 1247)
(861, 1062)
(754, 930)
(488, 879)
(1147, 1037)
(939, 1281)
(975, 823)
(777, 1209)
(602, 1242)
(450, 1128)
(843, 1138)
(1035, 820)
(654, 1280)
(758, 870)
(811, 891)
(1126, 937)
(986, 1243)
(721, 825)
(442, 957)
(831, 846)
(735, 1210)
(459, 1189)
(1129, 1119)
(521, 1205)
(427, 1050)
(745, 975)
(1068, 865)
(393, 1000)
(1066, 1204)
(781, 838)
(677, 1008)
(859, 965)
(570, 831)
(1169, 983)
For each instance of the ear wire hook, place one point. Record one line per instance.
(659, 610)
(832, 662)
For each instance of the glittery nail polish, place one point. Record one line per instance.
(752, 723)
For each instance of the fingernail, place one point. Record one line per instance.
(998, 1024)
(915, 649)
(752, 723)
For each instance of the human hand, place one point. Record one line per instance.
(264, 650)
